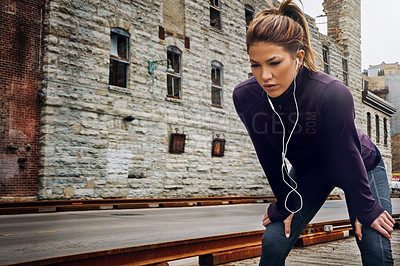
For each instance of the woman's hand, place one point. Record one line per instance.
(287, 222)
(266, 220)
(384, 224)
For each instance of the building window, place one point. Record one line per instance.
(218, 147)
(119, 57)
(366, 85)
(377, 129)
(345, 67)
(174, 78)
(177, 143)
(369, 124)
(325, 55)
(385, 132)
(216, 83)
(215, 14)
(249, 14)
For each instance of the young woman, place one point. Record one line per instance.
(295, 113)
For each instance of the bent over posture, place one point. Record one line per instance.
(294, 113)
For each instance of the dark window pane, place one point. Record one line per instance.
(366, 85)
(215, 18)
(216, 98)
(385, 131)
(325, 55)
(122, 47)
(170, 90)
(174, 80)
(377, 129)
(344, 65)
(177, 143)
(249, 14)
(173, 86)
(345, 71)
(177, 88)
(174, 58)
(176, 65)
(119, 58)
(214, 2)
(118, 73)
(216, 76)
(369, 125)
(218, 147)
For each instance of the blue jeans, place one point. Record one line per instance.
(375, 248)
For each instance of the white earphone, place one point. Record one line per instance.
(284, 168)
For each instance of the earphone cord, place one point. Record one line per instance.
(284, 150)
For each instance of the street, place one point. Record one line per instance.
(26, 237)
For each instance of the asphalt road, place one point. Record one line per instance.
(26, 237)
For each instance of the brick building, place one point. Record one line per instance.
(115, 124)
(20, 76)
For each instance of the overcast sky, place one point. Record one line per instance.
(380, 29)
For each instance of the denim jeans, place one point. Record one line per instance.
(375, 248)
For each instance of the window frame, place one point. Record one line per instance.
(366, 85)
(377, 131)
(369, 124)
(345, 67)
(175, 138)
(385, 132)
(115, 58)
(220, 152)
(325, 58)
(248, 9)
(174, 51)
(215, 5)
(217, 66)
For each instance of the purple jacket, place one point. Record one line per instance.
(325, 137)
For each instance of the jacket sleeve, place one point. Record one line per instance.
(270, 160)
(341, 150)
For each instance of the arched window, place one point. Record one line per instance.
(377, 128)
(119, 57)
(216, 83)
(325, 56)
(369, 124)
(174, 79)
(249, 14)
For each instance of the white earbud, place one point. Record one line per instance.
(284, 168)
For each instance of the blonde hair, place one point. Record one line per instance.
(285, 26)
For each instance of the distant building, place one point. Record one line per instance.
(384, 81)
(99, 117)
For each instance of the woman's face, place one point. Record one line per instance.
(273, 67)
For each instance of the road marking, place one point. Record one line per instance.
(94, 227)
(7, 235)
(45, 232)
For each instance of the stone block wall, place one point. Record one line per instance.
(393, 83)
(89, 149)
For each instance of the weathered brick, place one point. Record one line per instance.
(20, 76)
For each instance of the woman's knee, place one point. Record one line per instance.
(274, 243)
(375, 249)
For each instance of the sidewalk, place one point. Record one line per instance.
(340, 252)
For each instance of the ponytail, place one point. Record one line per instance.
(285, 26)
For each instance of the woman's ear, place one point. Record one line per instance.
(300, 55)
